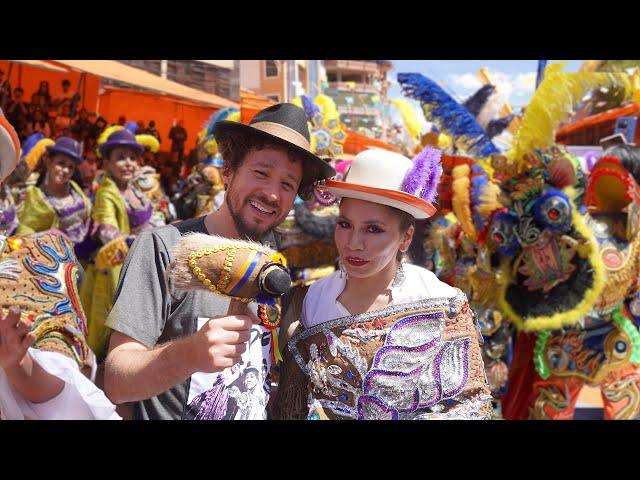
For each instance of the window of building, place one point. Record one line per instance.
(271, 68)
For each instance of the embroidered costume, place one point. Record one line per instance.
(118, 217)
(39, 274)
(419, 357)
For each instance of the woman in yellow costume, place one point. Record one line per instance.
(56, 201)
(121, 211)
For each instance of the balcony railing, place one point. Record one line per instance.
(351, 65)
(359, 87)
(359, 110)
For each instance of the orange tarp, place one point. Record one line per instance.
(590, 130)
(357, 142)
(141, 78)
(29, 77)
(41, 64)
(135, 105)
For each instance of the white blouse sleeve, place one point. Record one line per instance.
(80, 399)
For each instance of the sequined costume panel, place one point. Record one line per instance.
(139, 210)
(73, 217)
(418, 360)
(39, 273)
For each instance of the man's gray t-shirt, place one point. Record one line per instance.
(148, 309)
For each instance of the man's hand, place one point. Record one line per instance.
(220, 342)
(15, 339)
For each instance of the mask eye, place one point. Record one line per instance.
(553, 211)
(501, 234)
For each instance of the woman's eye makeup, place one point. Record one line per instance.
(374, 229)
(343, 224)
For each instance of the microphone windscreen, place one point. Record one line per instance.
(276, 281)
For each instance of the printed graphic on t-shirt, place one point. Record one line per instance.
(237, 393)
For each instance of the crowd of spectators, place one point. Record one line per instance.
(57, 114)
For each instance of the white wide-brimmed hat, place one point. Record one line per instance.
(391, 179)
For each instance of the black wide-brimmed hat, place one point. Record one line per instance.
(282, 123)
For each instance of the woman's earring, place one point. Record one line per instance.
(343, 272)
(400, 276)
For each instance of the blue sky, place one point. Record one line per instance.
(515, 78)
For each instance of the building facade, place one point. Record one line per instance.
(282, 80)
(219, 77)
(359, 90)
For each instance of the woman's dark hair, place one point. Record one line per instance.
(629, 156)
(237, 146)
(406, 221)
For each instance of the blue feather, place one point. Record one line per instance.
(131, 126)
(310, 108)
(478, 184)
(30, 142)
(218, 117)
(449, 115)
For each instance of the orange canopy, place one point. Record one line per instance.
(165, 110)
(590, 130)
(29, 73)
(357, 142)
(135, 76)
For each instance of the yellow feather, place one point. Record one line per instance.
(461, 201)
(313, 144)
(327, 106)
(105, 135)
(409, 117)
(635, 87)
(562, 319)
(34, 155)
(490, 200)
(233, 117)
(444, 142)
(148, 141)
(211, 146)
(554, 99)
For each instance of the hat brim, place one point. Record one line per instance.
(417, 207)
(106, 147)
(225, 127)
(53, 149)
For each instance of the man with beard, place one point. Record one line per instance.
(156, 345)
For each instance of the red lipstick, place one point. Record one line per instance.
(356, 261)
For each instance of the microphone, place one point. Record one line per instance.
(242, 270)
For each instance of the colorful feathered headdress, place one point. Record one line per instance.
(451, 117)
(33, 148)
(206, 136)
(552, 102)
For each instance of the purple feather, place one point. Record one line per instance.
(423, 178)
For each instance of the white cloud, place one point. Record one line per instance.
(508, 85)
(467, 81)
